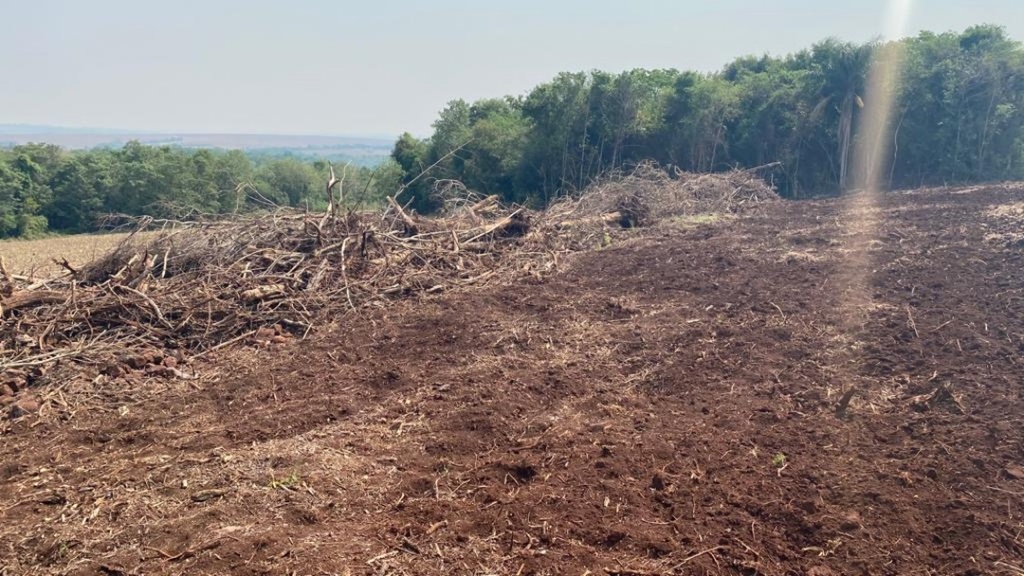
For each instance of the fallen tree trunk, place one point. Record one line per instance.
(515, 224)
(30, 298)
(484, 205)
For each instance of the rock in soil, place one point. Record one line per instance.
(1015, 472)
(161, 371)
(24, 407)
(114, 370)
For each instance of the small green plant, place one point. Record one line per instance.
(779, 460)
(284, 483)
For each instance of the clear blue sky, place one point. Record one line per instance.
(383, 66)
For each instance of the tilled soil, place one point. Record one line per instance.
(834, 387)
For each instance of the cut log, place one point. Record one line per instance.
(515, 224)
(484, 204)
(263, 292)
(28, 299)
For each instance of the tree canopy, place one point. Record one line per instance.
(44, 188)
(959, 118)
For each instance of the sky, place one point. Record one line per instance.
(383, 67)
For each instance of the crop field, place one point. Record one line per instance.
(36, 258)
(820, 388)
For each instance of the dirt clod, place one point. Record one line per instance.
(24, 407)
(1015, 472)
(135, 361)
(114, 370)
(161, 371)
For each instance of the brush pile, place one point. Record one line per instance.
(198, 287)
(649, 195)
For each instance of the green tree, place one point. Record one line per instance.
(80, 188)
(556, 150)
(840, 69)
(494, 153)
(412, 156)
(291, 182)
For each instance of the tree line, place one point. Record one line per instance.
(958, 118)
(44, 188)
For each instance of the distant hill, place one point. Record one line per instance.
(359, 150)
(41, 129)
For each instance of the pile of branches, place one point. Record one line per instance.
(203, 285)
(198, 286)
(651, 194)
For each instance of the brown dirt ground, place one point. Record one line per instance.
(666, 405)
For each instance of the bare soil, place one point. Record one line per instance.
(828, 388)
(35, 258)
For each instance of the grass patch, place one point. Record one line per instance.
(285, 483)
(779, 460)
(695, 220)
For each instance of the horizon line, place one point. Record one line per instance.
(33, 128)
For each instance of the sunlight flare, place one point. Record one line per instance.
(875, 141)
(872, 168)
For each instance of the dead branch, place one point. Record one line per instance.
(8, 280)
(63, 263)
(152, 304)
(28, 299)
(695, 556)
(485, 204)
(344, 276)
(331, 183)
(411, 229)
(501, 225)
